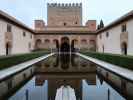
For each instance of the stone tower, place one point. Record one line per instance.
(64, 14)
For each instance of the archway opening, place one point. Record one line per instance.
(38, 43)
(65, 45)
(47, 43)
(73, 45)
(8, 48)
(124, 48)
(56, 43)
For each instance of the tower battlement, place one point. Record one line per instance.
(64, 14)
(64, 4)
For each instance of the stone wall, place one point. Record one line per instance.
(82, 41)
(18, 40)
(111, 40)
(64, 14)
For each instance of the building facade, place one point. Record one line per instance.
(64, 32)
(15, 37)
(117, 37)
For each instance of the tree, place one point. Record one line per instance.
(101, 24)
(98, 27)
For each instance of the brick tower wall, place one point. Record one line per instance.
(64, 14)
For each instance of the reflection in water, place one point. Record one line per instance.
(85, 87)
(66, 70)
(74, 61)
(43, 84)
(65, 63)
(56, 62)
(65, 93)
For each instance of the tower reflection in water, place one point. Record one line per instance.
(65, 76)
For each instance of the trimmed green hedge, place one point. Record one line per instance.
(116, 59)
(8, 61)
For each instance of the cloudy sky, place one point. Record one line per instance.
(28, 10)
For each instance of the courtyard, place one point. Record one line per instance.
(69, 53)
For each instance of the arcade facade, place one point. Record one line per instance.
(66, 43)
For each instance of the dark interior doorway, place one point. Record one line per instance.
(8, 48)
(65, 46)
(72, 46)
(73, 43)
(124, 48)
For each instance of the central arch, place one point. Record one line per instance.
(65, 44)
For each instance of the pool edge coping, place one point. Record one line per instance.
(123, 72)
(19, 67)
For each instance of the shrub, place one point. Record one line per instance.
(8, 61)
(116, 59)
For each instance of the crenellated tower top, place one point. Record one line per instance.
(64, 4)
(64, 14)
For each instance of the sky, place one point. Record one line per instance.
(28, 10)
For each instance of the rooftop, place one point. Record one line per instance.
(126, 17)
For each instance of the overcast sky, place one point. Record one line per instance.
(29, 10)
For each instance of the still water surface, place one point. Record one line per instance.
(66, 70)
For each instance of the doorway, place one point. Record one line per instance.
(65, 44)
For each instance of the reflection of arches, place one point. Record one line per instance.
(8, 48)
(65, 61)
(56, 43)
(56, 63)
(73, 45)
(73, 61)
(124, 48)
(65, 44)
(38, 42)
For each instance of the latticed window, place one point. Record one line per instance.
(124, 28)
(24, 34)
(107, 34)
(9, 28)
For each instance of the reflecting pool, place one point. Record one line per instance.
(48, 76)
